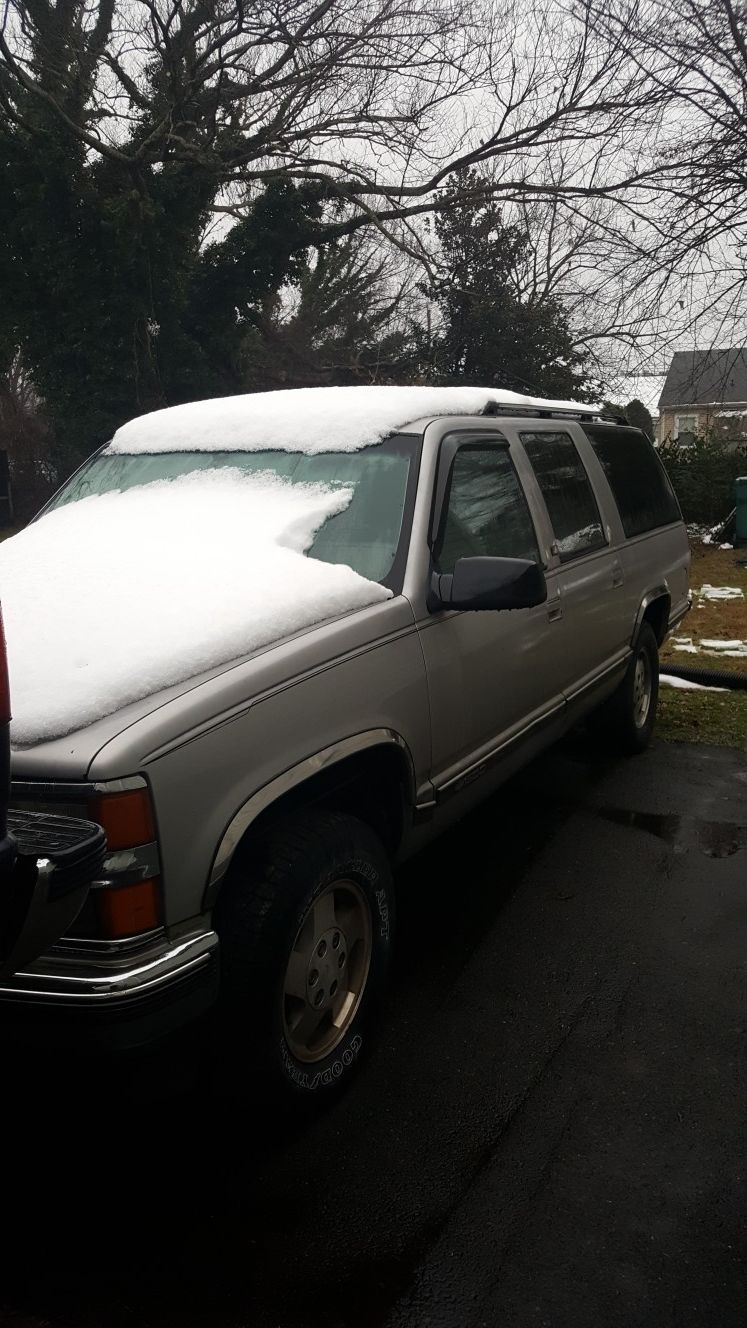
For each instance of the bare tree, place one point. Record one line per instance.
(689, 206)
(595, 123)
(380, 100)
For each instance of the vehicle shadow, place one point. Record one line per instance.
(144, 1189)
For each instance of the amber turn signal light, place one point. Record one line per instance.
(127, 818)
(128, 911)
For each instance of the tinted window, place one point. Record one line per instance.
(636, 477)
(567, 492)
(487, 513)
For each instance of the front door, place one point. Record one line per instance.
(490, 674)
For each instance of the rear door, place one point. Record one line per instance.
(654, 549)
(590, 573)
(490, 674)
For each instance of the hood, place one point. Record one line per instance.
(117, 597)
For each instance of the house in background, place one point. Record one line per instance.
(704, 390)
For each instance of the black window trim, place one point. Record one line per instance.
(570, 557)
(594, 428)
(470, 440)
(395, 578)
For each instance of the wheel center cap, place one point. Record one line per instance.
(326, 969)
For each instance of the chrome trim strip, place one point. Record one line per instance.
(119, 785)
(57, 791)
(47, 790)
(677, 617)
(619, 664)
(312, 765)
(478, 768)
(92, 947)
(88, 982)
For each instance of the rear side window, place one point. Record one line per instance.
(640, 484)
(568, 495)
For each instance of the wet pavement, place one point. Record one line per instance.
(551, 1130)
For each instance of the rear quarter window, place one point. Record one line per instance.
(639, 482)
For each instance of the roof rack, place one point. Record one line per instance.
(545, 413)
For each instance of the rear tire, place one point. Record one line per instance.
(305, 923)
(625, 723)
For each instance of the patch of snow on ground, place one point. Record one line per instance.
(668, 680)
(117, 596)
(686, 645)
(736, 649)
(306, 419)
(720, 592)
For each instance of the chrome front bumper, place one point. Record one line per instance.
(121, 976)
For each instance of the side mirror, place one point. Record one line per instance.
(488, 583)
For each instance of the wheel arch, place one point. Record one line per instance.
(654, 609)
(370, 774)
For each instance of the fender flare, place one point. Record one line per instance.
(330, 756)
(657, 592)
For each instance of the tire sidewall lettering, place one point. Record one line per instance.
(383, 907)
(309, 1080)
(368, 873)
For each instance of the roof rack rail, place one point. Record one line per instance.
(552, 413)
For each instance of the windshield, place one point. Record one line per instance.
(365, 536)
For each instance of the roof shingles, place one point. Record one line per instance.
(705, 377)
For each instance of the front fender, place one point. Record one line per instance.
(298, 774)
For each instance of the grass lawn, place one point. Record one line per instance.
(720, 620)
(709, 717)
(719, 718)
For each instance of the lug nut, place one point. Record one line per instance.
(319, 998)
(341, 960)
(313, 977)
(321, 949)
(333, 987)
(335, 940)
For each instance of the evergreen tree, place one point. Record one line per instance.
(489, 334)
(107, 292)
(346, 324)
(640, 417)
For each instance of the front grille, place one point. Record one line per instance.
(43, 835)
(76, 848)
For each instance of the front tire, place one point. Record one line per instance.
(306, 923)
(625, 722)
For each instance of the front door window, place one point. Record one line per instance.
(487, 513)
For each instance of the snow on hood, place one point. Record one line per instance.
(112, 598)
(307, 419)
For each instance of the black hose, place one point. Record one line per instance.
(708, 677)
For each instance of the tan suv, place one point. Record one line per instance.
(536, 558)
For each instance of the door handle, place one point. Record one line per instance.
(555, 610)
(618, 575)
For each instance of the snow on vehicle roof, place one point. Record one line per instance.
(308, 419)
(185, 575)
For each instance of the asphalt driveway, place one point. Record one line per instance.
(550, 1132)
